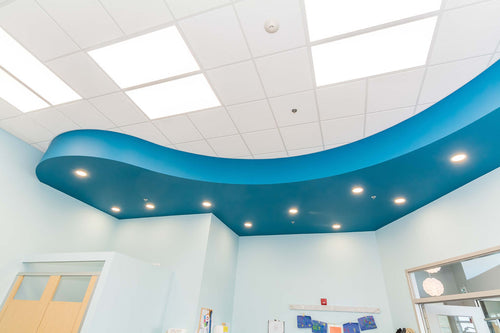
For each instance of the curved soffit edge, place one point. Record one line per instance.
(410, 159)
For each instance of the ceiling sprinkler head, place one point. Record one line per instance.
(271, 26)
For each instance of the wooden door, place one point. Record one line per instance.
(52, 312)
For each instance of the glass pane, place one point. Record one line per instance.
(477, 274)
(71, 289)
(63, 267)
(32, 288)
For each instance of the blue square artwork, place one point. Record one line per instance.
(304, 322)
(319, 327)
(351, 328)
(367, 323)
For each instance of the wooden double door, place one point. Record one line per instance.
(47, 304)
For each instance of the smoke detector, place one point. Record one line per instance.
(271, 26)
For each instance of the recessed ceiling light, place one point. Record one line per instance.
(154, 56)
(248, 224)
(293, 210)
(116, 209)
(174, 97)
(458, 158)
(149, 205)
(331, 18)
(336, 226)
(81, 173)
(381, 51)
(357, 190)
(206, 204)
(399, 200)
(24, 66)
(18, 95)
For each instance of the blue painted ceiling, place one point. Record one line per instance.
(410, 159)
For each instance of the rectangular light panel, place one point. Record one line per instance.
(18, 95)
(28, 69)
(381, 51)
(175, 97)
(150, 57)
(328, 18)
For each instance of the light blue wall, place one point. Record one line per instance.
(35, 218)
(276, 271)
(219, 273)
(464, 221)
(178, 243)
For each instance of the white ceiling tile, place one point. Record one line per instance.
(85, 115)
(115, 129)
(305, 104)
(7, 110)
(422, 107)
(197, 147)
(494, 58)
(229, 146)
(337, 131)
(146, 131)
(442, 80)
(53, 120)
(178, 129)
(43, 146)
(183, 8)
(277, 154)
(393, 91)
(459, 3)
(213, 123)
(119, 109)
(26, 129)
(379, 121)
(42, 36)
(304, 151)
(35, 145)
(286, 72)
(262, 142)
(335, 145)
(86, 21)
(215, 37)
(467, 32)
(237, 83)
(302, 136)
(133, 16)
(253, 116)
(342, 100)
(253, 14)
(82, 74)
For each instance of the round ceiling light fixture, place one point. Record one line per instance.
(336, 226)
(271, 26)
(457, 158)
(248, 224)
(81, 173)
(357, 190)
(149, 205)
(293, 210)
(433, 287)
(116, 209)
(399, 200)
(206, 204)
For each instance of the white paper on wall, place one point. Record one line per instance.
(275, 326)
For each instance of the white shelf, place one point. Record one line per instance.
(334, 308)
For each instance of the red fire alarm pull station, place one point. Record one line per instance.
(323, 301)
